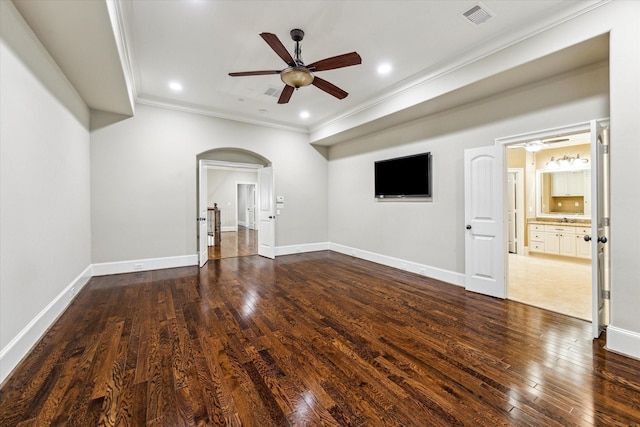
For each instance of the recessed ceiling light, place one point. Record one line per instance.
(304, 114)
(384, 68)
(175, 86)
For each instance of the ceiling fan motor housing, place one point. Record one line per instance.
(297, 35)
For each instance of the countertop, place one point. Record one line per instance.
(553, 221)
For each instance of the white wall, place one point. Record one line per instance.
(623, 334)
(432, 233)
(143, 182)
(44, 188)
(221, 188)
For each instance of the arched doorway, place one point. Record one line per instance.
(223, 232)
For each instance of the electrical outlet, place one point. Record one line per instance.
(137, 266)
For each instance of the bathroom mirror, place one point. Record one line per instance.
(564, 193)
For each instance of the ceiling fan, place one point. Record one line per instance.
(297, 74)
(538, 144)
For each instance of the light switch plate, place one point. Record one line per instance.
(280, 199)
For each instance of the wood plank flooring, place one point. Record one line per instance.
(243, 242)
(309, 340)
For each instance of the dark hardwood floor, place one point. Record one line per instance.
(313, 339)
(243, 242)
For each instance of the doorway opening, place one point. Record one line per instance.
(235, 188)
(550, 201)
(233, 192)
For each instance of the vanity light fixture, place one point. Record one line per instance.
(566, 161)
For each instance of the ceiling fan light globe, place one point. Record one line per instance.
(296, 77)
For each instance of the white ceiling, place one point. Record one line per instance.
(198, 42)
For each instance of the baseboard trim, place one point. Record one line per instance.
(623, 341)
(228, 228)
(306, 247)
(448, 276)
(106, 268)
(21, 344)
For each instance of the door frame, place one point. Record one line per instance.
(520, 207)
(204, 165)
(239, 183)
(546, 134)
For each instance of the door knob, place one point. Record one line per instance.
(587, 238)
(602, 239)
(468, 227)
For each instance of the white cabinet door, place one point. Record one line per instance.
(551, 243)
(575, 183)
(583, 248)
(567, 244)
(559, 184)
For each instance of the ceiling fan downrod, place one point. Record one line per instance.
(297, 35)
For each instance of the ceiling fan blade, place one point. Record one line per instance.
(285, 96)
(274, 42)
(340, 61)
(254, 73)
(330, 88)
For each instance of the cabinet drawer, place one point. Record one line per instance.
(583, 230)
(536, 227)
(536, 246)
(559, 229)
(537, 237)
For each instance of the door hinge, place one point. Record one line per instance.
(606, 295)
(605, 149)
(606, 222)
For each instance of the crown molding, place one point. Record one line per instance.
(454, 64)
(210, 113)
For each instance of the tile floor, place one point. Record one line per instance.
(558, 284)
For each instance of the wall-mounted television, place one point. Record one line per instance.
(403, 177)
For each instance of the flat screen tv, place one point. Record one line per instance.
(403, 177)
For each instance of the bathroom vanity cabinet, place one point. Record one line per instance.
(564, 239)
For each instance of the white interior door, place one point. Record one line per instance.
(599, 227)
(484, 241)
(512, 212)
(267, 215)
(203, 250)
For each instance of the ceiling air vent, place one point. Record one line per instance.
(272, 91)
(477, 14)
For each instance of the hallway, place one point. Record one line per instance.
(243, 242)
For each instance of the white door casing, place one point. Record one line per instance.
(267, 216)
(599, 227)
(203, 249)
(485, 254)
(251, 203)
